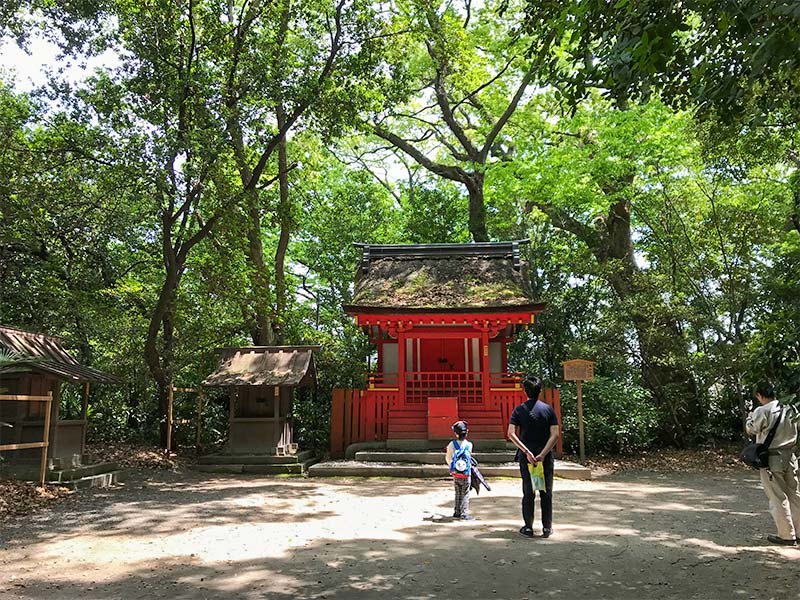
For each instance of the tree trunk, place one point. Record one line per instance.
(477, 207)
(160, 364)
(662, 348)
(262, 327)
(285, 222)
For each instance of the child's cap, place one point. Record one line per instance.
(459, 427)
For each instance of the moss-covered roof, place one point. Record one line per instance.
(457, 277)
(264, 365)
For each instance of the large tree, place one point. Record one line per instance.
(469, 78)
(194, 107)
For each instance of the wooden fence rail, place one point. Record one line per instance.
(48, 400)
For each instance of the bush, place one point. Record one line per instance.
(312, 419)
(618, 417)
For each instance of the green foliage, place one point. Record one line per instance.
(734, 59)
(773, 352)
(618, 416)
(435, 215)
(660, 243)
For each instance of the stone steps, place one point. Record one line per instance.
(405, 469)
(431, 457)
(254, 459)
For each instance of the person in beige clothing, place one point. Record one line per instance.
(780, 480)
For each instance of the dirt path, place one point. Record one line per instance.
(631, 535)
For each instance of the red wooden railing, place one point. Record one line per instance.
(359, 416)
(363, 415)
(464, 385)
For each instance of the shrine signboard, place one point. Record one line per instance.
(579, 370)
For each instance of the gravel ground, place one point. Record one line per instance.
(632, 534)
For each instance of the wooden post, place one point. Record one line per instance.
(43, 466)
(401, 366)
(581, 449)
(84, 415)
(485, 366)
(199, 418)
(170, 398)
(85, 400)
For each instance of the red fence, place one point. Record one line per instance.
(363, 415)
(359, 416)
(467, 386)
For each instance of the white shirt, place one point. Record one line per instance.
(761, 420)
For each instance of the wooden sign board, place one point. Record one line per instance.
(578, 370)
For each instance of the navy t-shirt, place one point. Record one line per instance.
(534, 419)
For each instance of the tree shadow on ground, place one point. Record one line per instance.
(634, 536)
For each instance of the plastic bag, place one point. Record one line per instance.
(537, 476)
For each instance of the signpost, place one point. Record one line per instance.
(579, 370)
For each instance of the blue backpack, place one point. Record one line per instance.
(462, 459)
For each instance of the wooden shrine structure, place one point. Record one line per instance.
(441, 317)
(42, 365)
(261, 382)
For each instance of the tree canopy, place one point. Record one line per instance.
(207, 189)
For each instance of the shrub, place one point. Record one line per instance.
(618, 417)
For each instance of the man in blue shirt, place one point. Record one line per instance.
(533, 428)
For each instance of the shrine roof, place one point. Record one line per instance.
(46, 354)
(264, 365)
(442, 277)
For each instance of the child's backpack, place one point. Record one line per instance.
(461, 465)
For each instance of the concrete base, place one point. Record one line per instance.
(408, 469)
(75, 474)
(263, 464)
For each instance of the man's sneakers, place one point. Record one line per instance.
(547, 532)
(467, 518)
(774, 539)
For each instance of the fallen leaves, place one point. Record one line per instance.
(18, 498)
(712, 459)
(136, 456)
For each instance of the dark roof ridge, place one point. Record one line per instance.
(374, 252)
(312, 347)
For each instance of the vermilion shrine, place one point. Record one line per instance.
(441, 317)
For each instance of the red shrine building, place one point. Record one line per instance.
(440, 317)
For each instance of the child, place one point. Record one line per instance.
(459, 459)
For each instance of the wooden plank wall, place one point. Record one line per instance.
(358, 416)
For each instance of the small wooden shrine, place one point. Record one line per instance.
(261, 381)
(41, 366)
(441, 317)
